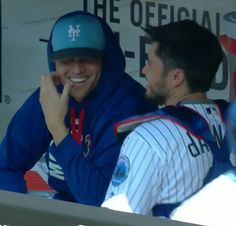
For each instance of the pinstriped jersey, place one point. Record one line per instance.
(162, 163)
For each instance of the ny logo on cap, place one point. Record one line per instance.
(74, 32)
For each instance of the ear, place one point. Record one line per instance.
(177, 77)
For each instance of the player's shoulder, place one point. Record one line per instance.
(156, 124)
(155, 133)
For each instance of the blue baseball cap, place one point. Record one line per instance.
(77, 36)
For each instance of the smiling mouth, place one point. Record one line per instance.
(78, 80)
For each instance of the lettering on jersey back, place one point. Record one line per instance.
(197, 146)
(218, 136)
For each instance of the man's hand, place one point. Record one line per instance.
(54, 105)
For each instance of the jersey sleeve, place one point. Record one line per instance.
(135, 179)
(87, 168)
(25, 142)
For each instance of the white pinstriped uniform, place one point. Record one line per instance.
(166, 164)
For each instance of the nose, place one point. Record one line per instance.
(144, 70)
(78, 67)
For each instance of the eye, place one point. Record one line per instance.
(64, 61)
(149, 62)
(91, 60)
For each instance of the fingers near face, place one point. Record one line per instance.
(83, 74)
(56, 78)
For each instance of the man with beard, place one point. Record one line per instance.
(170, 156)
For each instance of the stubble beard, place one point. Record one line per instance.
(155, 99)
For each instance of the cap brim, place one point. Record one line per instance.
(76, 53)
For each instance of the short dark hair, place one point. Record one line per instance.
(191, 47)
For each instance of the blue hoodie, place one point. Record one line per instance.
(79, 171)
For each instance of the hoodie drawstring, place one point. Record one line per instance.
(77, 124)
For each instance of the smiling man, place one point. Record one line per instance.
(70, 118)
(174, 153)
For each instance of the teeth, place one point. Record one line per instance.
(77, 80)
